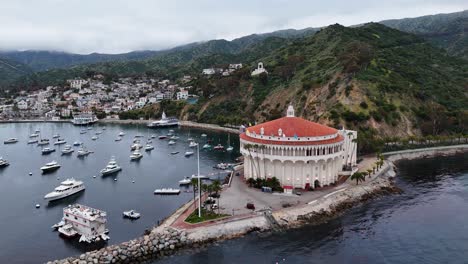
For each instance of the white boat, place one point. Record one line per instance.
(167, 191)
(43, 142)
(188, 153)
(60, 142)
(111, 167)
(153, 136)
(149, 141)
(223, 166)
(55, 136)
(202, 177)
(46, 151)
(162, 137)
(172, 142)
(132, 214)
(51, 166)
(89, 223)
(32, 141)
(3, 162)
(203, 135)
(164, 122)
(149, 147)
(38, 130)
(84, 119)
(83, 151)
(10, 141)
(76, 143)
(119, 138)
(83, 131)
(58, 225)
(207, 146)
(94, 137)
(136, 155)
(34, 135)
(67, 149)
(230, 148)
(185, 181)
(218, 147)
(193, 144)
(66, 188)
(174, 137)
(190, 139)
(121, 134)
(138, 136)
(98, 132)
(136, 146)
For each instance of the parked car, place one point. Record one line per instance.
(250, 206)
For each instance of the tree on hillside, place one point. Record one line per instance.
(358, 177)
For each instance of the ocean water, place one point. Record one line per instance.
(26, 234)
(428, 223)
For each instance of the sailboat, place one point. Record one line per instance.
(229, 147)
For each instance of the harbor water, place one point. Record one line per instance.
(26, 234)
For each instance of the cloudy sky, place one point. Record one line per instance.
(115, 26)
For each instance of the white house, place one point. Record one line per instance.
(77, 83)
(22, 105)
(235, 66)
(209, 71)
(182, 94)
(260, 69)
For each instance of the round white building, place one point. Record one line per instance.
(298, 152)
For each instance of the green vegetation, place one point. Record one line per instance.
(206, 216)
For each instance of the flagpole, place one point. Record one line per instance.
(198, 173)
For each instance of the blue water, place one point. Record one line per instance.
(428, 223)
(25, 233)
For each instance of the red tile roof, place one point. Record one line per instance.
(292, 126)
(339, 138)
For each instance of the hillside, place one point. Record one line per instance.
(448, 31)
(10, 70)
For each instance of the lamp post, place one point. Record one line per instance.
(198, 176)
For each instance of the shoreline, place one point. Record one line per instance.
(166, 240)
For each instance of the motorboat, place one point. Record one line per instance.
(60, 142)
(193, 144)
(136, 155)
(94, 137)
(167, 191)
(58, 225)
(136, 146)
(65, 189)
(119, 138)
(55, 136)
(83, 131)
(188, 153)
(51, 166)
(112, 167)
(185, 181)
(149, 147)
(43, 142)
(218, 147)
(32, 141)
(89, 128)
(136, 140)
(138, 136)
(223, 166)
(164, 122)
(67, 150)
(121, 134)
(10, 141)
(149, 141)
(190, 139)
(153, 136)
(170, 134)
(67, 231)
(174, 137)
(33, 135)
(162, 137)
(76, 143)
(46, 151)
(37, 131)
(207, 146)
(203, 135)
(230, 148)
(132, 214)
(174, 152)
(83, 151)
(3, 162)
(98, 132)
(172, 142)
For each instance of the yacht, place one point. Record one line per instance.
(138, 136)
(167, 191)
(172, 142)
(3, 162)
(34, 135)
(98, 132)
(67, 150)
(83, 131)
(188, 153)
(118, 138)
(185, 181)
(46, 151)
(89, 128)
(136, 155)
(190, 139)
(136, 146)
(174, 152)
(174, 137)
(43, 141)
(230, 148)
(94, 137)
(84, 119)
(111, 167)
(164, 122)
(51, 166)
(162, 137)
(76, 143)
(32, 141)
(153, 136)
(10, 141)
(132, 214)
(203, 135)
(218, 147)
(206, 146)
(60, 142)
(55, 136)
(193, 144)
(83, 151)
(121, 134)
(149, 147)
(149, 141)
(66, 188)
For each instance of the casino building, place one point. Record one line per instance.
(300, 153)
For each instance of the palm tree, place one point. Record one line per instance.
(369, 172)
(358, 176)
